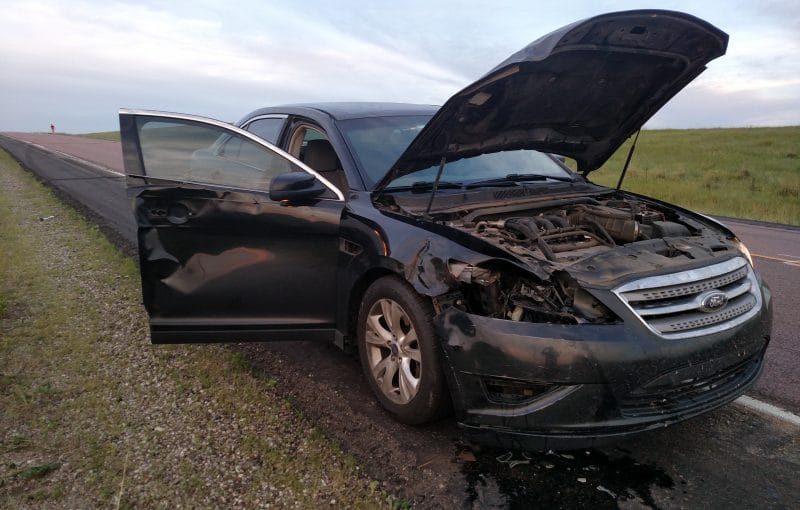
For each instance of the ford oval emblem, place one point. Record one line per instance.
(713, 301)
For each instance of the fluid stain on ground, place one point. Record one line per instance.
(568, 479)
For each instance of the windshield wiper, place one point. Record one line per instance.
(426, 186)
(511, 179)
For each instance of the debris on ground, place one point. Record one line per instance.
(508, 458)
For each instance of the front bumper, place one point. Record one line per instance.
(541, 386)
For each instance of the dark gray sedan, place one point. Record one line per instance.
(465, 263)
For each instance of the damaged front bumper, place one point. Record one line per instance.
(540, 386)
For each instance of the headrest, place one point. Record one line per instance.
(319, 155)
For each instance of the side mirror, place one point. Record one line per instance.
(295, 187)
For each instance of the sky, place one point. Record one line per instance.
(76, 63)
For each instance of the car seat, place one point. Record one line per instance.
(319, 155)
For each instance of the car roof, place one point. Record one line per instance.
(350, 110)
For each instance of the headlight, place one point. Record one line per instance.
(743, 249)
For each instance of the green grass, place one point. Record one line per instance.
(38, 471)
(749, 173)
(103, 135)
(93, 416)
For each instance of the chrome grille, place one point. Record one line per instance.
(673, 305)
(686, 289)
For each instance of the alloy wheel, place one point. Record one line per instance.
(393, 351)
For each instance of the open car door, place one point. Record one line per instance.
(238, 241)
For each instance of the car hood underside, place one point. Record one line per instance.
(579, 91)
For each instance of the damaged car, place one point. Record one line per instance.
(470, 268)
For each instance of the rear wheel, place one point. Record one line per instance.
(399, 355)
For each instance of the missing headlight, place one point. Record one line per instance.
(503, 293)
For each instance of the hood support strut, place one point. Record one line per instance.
(435, 185)
(628, 160)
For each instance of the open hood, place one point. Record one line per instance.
(580, 91)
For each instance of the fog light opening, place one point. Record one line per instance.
(507, 391)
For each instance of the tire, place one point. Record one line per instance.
(399, 352)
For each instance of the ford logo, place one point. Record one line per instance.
(713, 301)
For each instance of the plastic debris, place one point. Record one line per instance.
(502, 459)
(567, 456)
(508, 458)
(45, 218)
(582, 480)
(603, 489)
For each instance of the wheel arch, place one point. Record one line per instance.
(358, 289)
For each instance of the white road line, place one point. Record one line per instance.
(793, 263)
(787, 255)
(77, 159)
(761, 226)
(768, 409)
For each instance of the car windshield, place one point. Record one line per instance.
(377, 143)
(490, 169)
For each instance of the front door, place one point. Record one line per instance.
(220, 261)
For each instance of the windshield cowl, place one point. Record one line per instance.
(519, 180)
(453, 200)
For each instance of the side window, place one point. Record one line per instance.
(268, 128)
(188, 151)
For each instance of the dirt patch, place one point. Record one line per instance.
(422, 464)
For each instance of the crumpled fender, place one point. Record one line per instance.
(426, 264)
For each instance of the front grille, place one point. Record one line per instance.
(677, 305)
(690, 394)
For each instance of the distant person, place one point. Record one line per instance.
(52, 128)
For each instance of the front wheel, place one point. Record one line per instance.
(399, 355)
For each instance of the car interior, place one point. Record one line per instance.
(312, 148)
(319, 155)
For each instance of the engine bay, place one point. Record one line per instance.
(572, 232)
(566, 244)
(570, 238)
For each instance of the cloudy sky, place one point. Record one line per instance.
(75, 63)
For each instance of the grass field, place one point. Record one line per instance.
(104, 135)
(751, 173)
(93, 416)
(743, 173)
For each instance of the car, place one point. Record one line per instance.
(470, 268)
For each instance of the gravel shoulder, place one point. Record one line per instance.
(92, 415)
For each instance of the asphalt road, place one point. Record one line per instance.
(732, 457)
(776, 255)
(99, 188)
